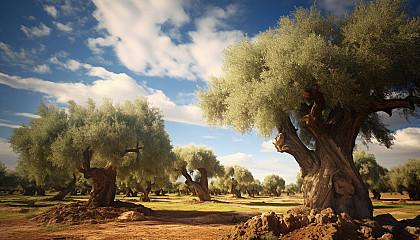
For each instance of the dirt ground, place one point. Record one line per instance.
(163, 225)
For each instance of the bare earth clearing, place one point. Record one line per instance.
(172, 223)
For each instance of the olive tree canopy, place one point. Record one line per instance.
(319, 82)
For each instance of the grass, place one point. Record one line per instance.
(13, 206)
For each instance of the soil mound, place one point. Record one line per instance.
(77, 213)
(302, 223)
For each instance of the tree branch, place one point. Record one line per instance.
(388, 105)
(288, 141)
(313, 118)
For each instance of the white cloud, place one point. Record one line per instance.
(7, 156)
(95, 44)
(9, 125)
(338, 7)
(73, 65)
(209, 137)
(267, 146)
(145, 35)
(51, 10)
(235, 139)
(283, 165)
(117, 86)
(14, 57)
(28, 115)
(40, 31)
(63, 27)
(237, 158)
(406, 146)
(42, 69)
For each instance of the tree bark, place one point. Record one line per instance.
(63, 191)
(236, 193)
(145, 191)
(103, 188)
(201, 189)
(330, 177)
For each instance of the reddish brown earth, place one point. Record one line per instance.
(77, 222)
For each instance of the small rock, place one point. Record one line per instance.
(131, 216)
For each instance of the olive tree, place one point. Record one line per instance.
(273, 184)
(91, 139)
(406, 177)
(33, 144)
(319, 82)
(201, 160)
(373, 174)
(236, 179)
(150, 166)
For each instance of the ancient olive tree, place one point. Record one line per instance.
(406, 177)
(273, 184)
(150, 166)
(200, 159)
(373, 174)
(235, 180)
(95, 141)
(33, 144)
(320, 82)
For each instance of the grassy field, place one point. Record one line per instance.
(12, 206)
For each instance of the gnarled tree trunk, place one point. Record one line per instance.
(330, 177)
(63, 191)
(145, 191)
(201, 189)
(103, 188)
(236, 193)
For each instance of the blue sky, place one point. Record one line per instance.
(162, 50)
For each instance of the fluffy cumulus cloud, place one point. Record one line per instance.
(280, 164)
(146, 37)
(35, 31)
(117, 86)
(51, 10)
(63, 27)
(42, 69)
(267, 146)
(406, 146)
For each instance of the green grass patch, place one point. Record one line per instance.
(396, 206)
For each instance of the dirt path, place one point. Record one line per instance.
(164, 225)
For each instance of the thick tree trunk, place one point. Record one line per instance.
(103, 188)
(201, 189)
(145, 191)
(236, 193)
(330, 177)
(63, 191)
(337, 187)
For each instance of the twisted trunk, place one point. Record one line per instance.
(236, 193)
(103, 188)
(63, 191)
(201, 189)
(145, 191)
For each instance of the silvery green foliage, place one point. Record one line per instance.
(195, 157)
(373, 53)
(33, 144)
